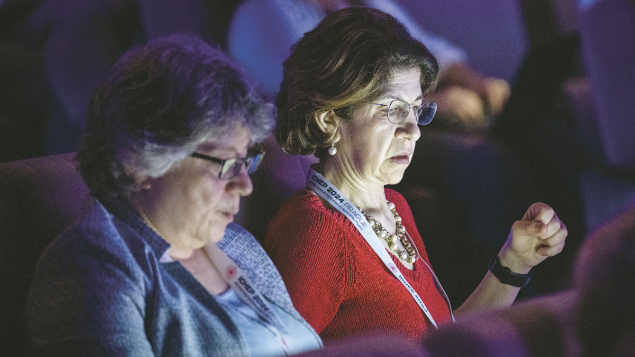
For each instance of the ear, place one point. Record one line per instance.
(144, 181)
(146, 185)
(328, 122)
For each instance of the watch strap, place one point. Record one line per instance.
(506, 276)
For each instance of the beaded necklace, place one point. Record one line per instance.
(409, 255)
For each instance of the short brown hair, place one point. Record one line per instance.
(348, 58)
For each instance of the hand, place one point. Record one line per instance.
(459, 107)
(538, 235)
(495, 94)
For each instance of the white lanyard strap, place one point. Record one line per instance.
(246, 291)
(320, 185)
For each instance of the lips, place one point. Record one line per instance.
(229, 214)
(402, 157)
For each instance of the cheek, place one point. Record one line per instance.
(371, 152)
(379, 145)
(195, 196)
(206, 198)
(366, 137)
(207, 223)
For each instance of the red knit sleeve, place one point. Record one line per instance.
(308, 247)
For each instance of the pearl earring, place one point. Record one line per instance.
(332, 149)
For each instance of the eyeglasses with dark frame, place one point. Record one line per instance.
(229, 168)
(398, 110)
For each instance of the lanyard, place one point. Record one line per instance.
(320, 185)
(247, 292)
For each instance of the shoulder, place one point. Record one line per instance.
(306, 231)
(86, 271)
(94, 234)
(249, 256)
(303, 207)
(255, 19)
(237, 237)
(305, 221)
(98, 251)
(307, 205)
(286, 10)
(307, 237)
(243, 248)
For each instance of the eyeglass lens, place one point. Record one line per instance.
(231, 167)
(399, 110)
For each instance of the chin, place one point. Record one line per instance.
(393, 174)
(396, 178)
(397, 175)
(215, 234)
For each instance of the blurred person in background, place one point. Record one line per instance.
(262, 33)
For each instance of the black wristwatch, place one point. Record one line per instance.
(507, 276)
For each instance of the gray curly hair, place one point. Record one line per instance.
(158, 104)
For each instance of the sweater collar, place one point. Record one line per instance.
(123, 211)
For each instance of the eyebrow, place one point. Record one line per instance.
(213, 146)
(390, 96)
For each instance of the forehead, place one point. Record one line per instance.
(234, 141)
(404, 82)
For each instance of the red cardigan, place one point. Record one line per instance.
(338, 283)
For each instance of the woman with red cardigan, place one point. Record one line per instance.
(354, 93)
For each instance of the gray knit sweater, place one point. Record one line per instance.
(99, 289)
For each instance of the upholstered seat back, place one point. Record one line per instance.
(278, 178)
(38, 199)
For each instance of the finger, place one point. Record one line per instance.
(531, 228)
(544, 214)
(533, 211)
(550, 251)
(554, 226)
(558, 238)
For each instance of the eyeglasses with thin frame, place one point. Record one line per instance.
(397, 111)
(229, 168)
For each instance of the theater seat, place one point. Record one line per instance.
(278, 178)
(38, 198)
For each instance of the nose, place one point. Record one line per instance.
(409, 129)
(413, 111)
(241, 184)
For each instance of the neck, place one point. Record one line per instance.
(367, 195)
(177, 250)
